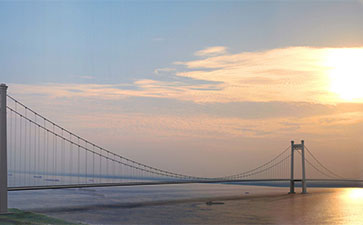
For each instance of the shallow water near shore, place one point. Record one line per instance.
(186, 204)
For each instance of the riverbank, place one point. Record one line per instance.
(16, 216)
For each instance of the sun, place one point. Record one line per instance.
(345, 70)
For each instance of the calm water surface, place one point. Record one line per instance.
(186, 204)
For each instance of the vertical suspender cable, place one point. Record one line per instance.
(107, 166)
(45, 144)
(25, 148)
(21, 163)
(54, 154)
(35, 149)
(62, 172)
(93, 164)
(62, 166)
(47, 153)
(71, 158)
(39, 153)
(113, 168)
(100, 167)
(78, 162)
(15, 142)
(86, 156)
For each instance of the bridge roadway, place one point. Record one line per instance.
(44, 187)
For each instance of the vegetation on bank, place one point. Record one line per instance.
(16, 216)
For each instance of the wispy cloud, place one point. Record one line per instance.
(212, 51)
(287, 74)
(147, 117)
(251, 89)
(164, 70)
(295, 74)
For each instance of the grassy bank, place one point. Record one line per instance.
(17, 216)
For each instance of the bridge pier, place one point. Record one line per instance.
(292, 181)
(303, 181)
(3, 152)
(297, 147)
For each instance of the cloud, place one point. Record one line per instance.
(294, 74)
(212, 51)
(268, 85)
(179, 120)
(164, 70)
(287, 74)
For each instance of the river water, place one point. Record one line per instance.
(186, 204)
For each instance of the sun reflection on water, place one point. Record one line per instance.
(355, 194)
(350, 206)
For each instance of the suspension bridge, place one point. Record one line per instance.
(37, 153)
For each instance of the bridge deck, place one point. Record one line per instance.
(42, 187)
(25, 188)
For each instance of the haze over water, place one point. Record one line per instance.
(186, 204)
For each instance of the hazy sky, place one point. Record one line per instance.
(205, 88)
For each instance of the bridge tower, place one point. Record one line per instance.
(3, 152)
(298, 147)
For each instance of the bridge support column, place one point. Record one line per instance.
(296, 147)
(292, 182)
(303, 181)
(3, 152)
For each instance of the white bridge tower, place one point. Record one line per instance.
(298, 147)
